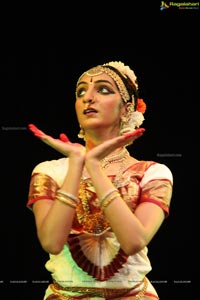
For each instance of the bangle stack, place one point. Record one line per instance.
(108, 198)
(67, 198)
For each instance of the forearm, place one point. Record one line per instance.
(128, 229)
(53, 228)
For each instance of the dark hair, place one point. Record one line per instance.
(131, 88)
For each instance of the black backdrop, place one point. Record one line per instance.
(37, 86)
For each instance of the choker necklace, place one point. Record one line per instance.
(122, 155)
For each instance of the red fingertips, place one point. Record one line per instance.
(64, 138)
(35, 130)
(136, 133)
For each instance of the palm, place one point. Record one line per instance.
(62, 145)
(105, 148)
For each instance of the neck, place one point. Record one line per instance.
(94, 140)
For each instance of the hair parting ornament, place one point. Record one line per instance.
(126, 82)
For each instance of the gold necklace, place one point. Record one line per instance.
(119, 157)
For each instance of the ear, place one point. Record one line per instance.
(125, 109)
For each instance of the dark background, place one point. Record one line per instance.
(38, 77)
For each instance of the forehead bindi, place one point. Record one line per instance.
(102, 78)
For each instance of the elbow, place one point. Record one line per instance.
(52, 249)
(51, 246)
(134, 246)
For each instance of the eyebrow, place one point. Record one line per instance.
(98, 81)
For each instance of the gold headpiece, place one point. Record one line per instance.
(120, 74)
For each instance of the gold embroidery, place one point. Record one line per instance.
(100, 292)
(42, 186)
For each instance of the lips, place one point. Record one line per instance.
(89, 110)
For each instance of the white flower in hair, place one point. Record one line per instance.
(136, 119)
(124, 70)
(133, 119)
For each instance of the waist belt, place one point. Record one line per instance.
(108, 293)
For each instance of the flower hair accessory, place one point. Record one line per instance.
(141, 106)
(133, 119)
(124, 70)
(128, 89)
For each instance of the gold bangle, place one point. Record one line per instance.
(68, 195)
(66, 201)
(108, 200)
(108, 193)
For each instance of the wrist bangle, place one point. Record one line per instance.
(106, 195)
(109, 199)
(68, 195)
(66, 200)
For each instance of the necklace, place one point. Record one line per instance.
(119, 157)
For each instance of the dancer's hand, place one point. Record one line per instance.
(104, 149)
(62, 145)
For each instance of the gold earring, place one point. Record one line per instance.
(125, 125)
(81, 133)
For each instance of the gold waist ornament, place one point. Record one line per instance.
(107, 293)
